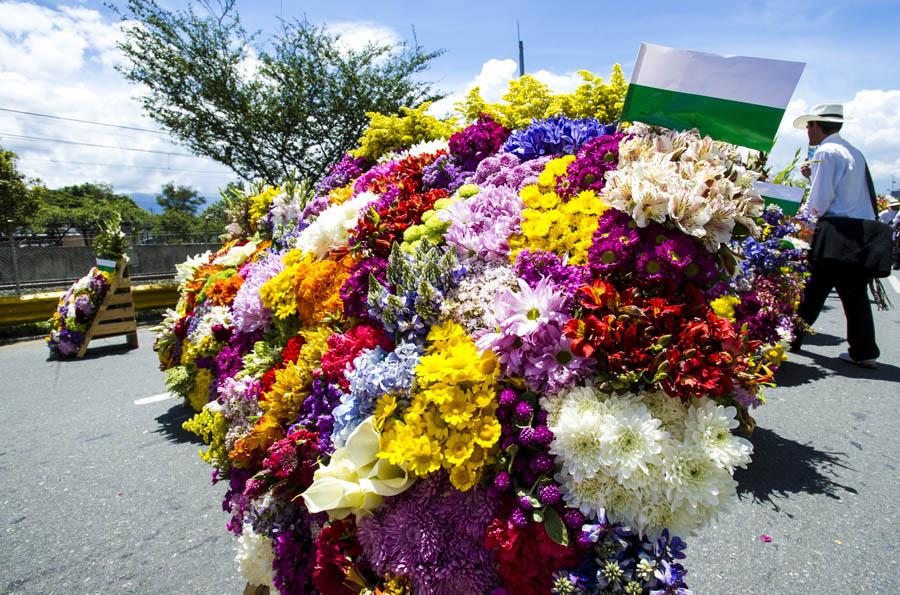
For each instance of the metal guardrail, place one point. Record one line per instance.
(52, 284)
(39, 306)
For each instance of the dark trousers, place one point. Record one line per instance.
(852, 289)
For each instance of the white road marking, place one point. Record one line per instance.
(895, 283)
(154, 399)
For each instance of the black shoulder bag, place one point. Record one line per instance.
(858, 244)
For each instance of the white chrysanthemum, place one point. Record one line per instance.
(577, 401)
(632, 441)
(587, 495)
(254, 557)
(577, 442)
(185, 271)
(236, 255)
(331, 229)
(708, 427)
(671, 412)
(692, 477)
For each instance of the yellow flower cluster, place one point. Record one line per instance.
(529, 98)
(451, 421)
(198, 396)
(396, 132)
(306, 288)
(724, 306)
(549, 222)
(339, 196)
(207, 346)
(292, 383)
(259, 205)
(212, 427)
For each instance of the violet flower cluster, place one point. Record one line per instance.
(481, 225)
(553, 136)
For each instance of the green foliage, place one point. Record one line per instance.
(528, 98)
(182, 198)
(296, 102)
(84, 208)
(111, 243)
(17, 202)
(179, 380)
(174, 226)
(394, 132)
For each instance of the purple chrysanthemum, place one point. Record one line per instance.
(432, 534)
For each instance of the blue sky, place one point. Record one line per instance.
(850, 48)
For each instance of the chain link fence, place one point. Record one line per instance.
(33, 264)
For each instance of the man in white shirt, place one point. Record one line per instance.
(840, 188)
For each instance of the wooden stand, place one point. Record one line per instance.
(115, 316)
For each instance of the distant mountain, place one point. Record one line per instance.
(147, 201)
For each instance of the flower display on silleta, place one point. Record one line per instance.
(78, 307)
(76, 310)
(484, 358)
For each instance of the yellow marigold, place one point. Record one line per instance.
(199, 393)
(307, 288)
(252, 448)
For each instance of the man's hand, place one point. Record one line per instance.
(805, 170)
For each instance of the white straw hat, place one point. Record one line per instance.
(824, 112)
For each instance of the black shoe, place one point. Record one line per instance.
(797, 344)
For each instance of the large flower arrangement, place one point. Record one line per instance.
(483, 360)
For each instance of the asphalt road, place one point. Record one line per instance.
(100, 494)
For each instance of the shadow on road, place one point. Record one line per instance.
(170, 425)
(884, 371)
(793, 374)
(782, 467)
(94, 353)
(822, 340)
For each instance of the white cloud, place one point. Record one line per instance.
(874, 128)
(61, 62)
(356, 35)
(493, 82)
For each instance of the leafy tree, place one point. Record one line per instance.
(17, 202)
(84, 208)
(174, 226)
(183, 199)
(298, 103)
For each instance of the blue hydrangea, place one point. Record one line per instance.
(376, 372)
(554, 135)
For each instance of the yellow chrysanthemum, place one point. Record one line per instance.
(458, 447)
(464, 477)
(423, 456)
(487, 433)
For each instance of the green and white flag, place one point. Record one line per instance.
(786, 197)
(735, 99)
(106, 265)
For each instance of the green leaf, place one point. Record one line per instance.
(554, 527)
